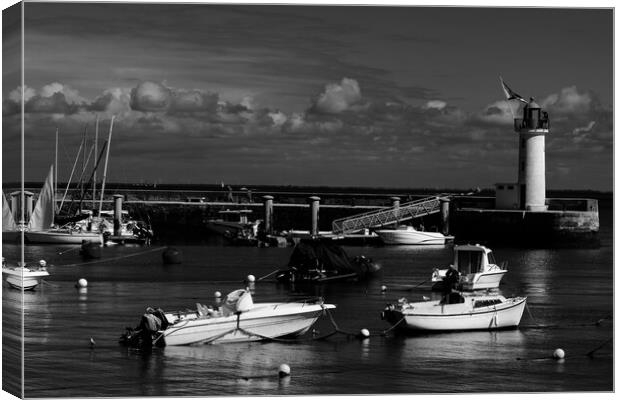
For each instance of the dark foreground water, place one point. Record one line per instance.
(567, 289)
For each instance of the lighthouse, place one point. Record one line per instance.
(532, 129)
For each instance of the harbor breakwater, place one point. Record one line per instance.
(180, 214)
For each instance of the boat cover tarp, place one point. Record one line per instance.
(8, 222)
(43, 215)
(310, 254)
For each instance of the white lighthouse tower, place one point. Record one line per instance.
(532, 129)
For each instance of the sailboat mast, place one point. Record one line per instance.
(55, 170)
(95, 161)
(77, 157)
(105, 165)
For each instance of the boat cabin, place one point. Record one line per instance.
(240, 216)
(472, 259)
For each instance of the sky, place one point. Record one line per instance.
(365, 96)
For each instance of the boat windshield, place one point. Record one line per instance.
(469, 262)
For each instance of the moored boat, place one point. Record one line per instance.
(321, 260)
(477, 268)
(62, 236)
(237, 320)
(234, 226)
(410, 235)
(23, 277)
(480, 312)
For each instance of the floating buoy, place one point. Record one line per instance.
(81, 283)
(558, 354)
(364, 333)
(284, 370)
(42, 263)
(383, 288)
(217, 295)
(172, 256)
(92, 343)
(250, 278)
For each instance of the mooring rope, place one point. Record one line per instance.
(50, 284)
(268, 275)
(113, 258)
(591, 352)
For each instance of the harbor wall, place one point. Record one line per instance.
(181, 215)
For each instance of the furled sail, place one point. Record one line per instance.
(8, 222)
(43, 215)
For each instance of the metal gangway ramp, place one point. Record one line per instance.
(393, 215)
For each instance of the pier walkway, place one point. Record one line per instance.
(393, 215)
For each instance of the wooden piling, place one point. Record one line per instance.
(268, 202)
(396, 207)
(445, 215)
(314, 215)
(118, 212)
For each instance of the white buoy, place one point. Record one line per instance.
(250, 278)
(284, 370)
(42, 263)
(81, 283)
(558, 354)
(383, 288)
(365, 333)
(217, 295)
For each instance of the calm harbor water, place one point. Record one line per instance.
(567, 289)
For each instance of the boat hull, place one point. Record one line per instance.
(63, 237)
(395, 236)
(27, 280)
(458, 317)
(261, 323)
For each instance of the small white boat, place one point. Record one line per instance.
(22, 277)
(237, 320)
(409, 235)
(476, 266)
(235, 226)
(63, 236)
(480, 312)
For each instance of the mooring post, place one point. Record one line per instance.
(396, 207)
(118, 210)
(445, 215)
(268, 201)
(314, 215)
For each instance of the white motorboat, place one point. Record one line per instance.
(480, 312)
(409, 235)
(476, 266)
(237, 320)
(22, 277)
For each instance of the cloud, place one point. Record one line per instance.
(498, 113)
(150, 96)
(71, 96)
(569, 101)
(338, 97)
(438, 104)
(584, 129)
(16, 94)
(56, 103)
